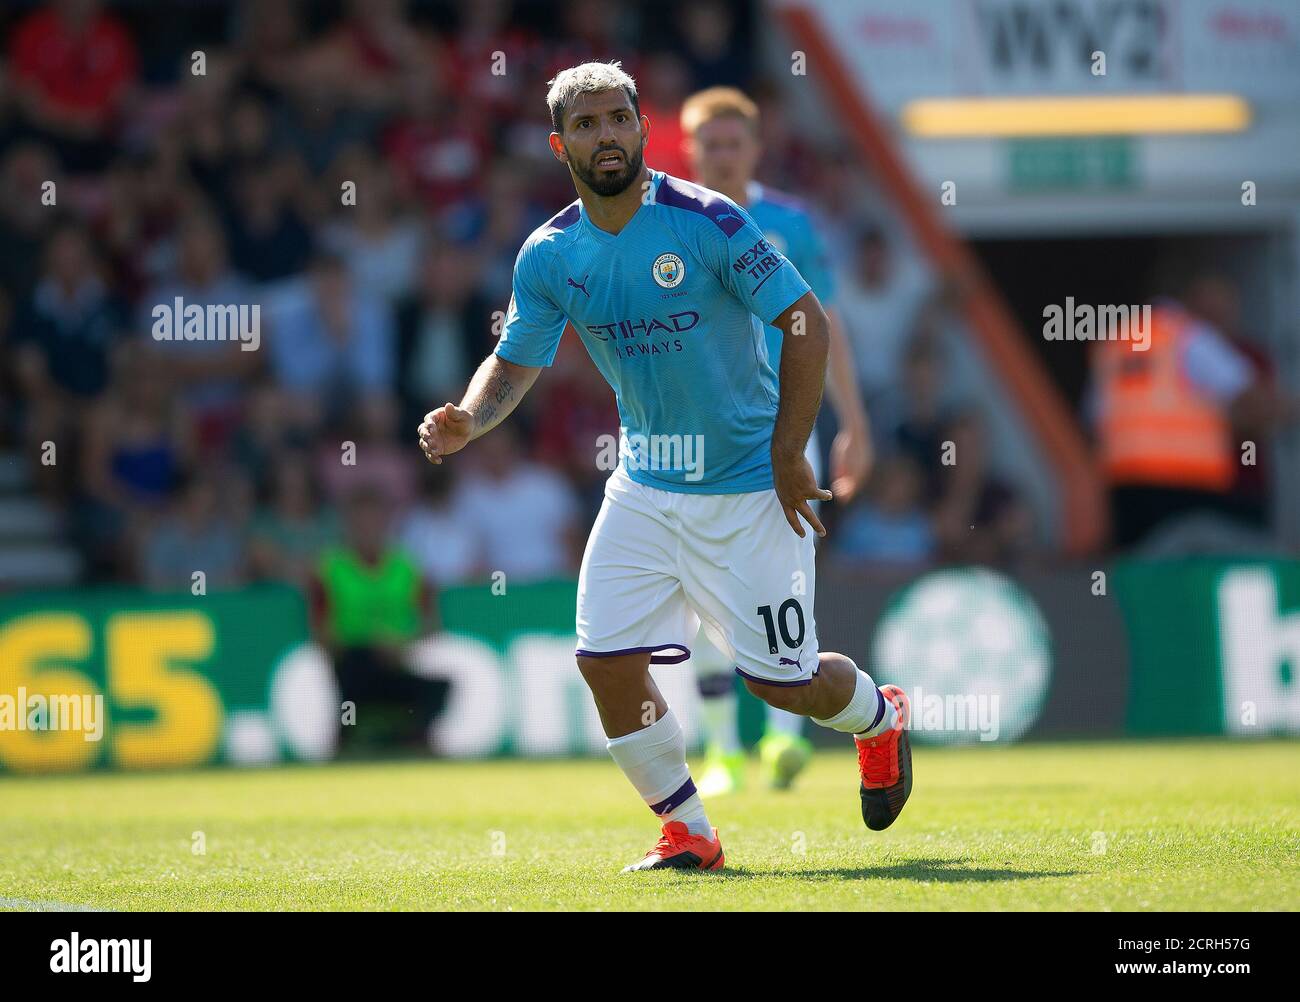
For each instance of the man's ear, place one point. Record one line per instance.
(557, 148)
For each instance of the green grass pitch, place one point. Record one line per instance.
(1200, 825)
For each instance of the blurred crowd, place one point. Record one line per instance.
(365, 172)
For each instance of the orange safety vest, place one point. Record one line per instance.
(1156, 427)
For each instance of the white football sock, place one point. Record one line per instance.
(654, 760)
(867, 714)
(781, 721)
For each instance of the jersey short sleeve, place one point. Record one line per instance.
(753, 270)
(534, 324)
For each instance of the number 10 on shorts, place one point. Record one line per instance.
(782, 621)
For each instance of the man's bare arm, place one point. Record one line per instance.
(495, 391)
(804, 347)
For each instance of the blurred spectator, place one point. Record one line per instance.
(25, 221)
(366, 453)
(880, 299)
(73, 65)
(437, 146)
(266, 432)
(65, 335)
(889, 525)
(316, 122)
(210, 374)
(1214, 298)
(664, 84)
(146, 200)
(438, 536)
(371, 51)
(224, 142)
(195, 536)
(922, 423)
(1164, 419)
(708, 30)
(269, 240)
(497, 84)
(589, 29)
(499, 222)
(381, 248)
(137, 444)
(293, 527)
(332, 343)
(369, 603)
(269, 43)
(444, 332)
(524, 512)
(978, 517)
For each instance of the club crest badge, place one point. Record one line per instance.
(668, 271)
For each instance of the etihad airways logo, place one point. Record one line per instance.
(627, 330)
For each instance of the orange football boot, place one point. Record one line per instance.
(678, 849)
(885, 764)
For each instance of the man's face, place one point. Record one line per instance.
(603, 141)
(724, 153)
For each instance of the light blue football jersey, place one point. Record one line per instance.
(672, 310)
(789, 227)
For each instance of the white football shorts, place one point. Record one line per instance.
(707, 658)
(661, 564)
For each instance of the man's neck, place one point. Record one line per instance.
(611, 213)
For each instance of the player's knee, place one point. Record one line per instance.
(830, 657)
(795, 698)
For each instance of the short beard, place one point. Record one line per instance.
(608, 185)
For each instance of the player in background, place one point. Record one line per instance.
(720, 128)
(669, 285)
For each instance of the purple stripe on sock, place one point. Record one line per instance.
(880, 709)
(683, 794)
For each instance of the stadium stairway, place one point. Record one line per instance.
(33, 550)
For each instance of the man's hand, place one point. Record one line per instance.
(444, 431)
(795, 485)
(850, 462)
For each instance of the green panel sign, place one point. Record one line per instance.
(1071, 164)
(1215, 645)
(141, 680)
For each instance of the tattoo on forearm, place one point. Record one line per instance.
(496, 393)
